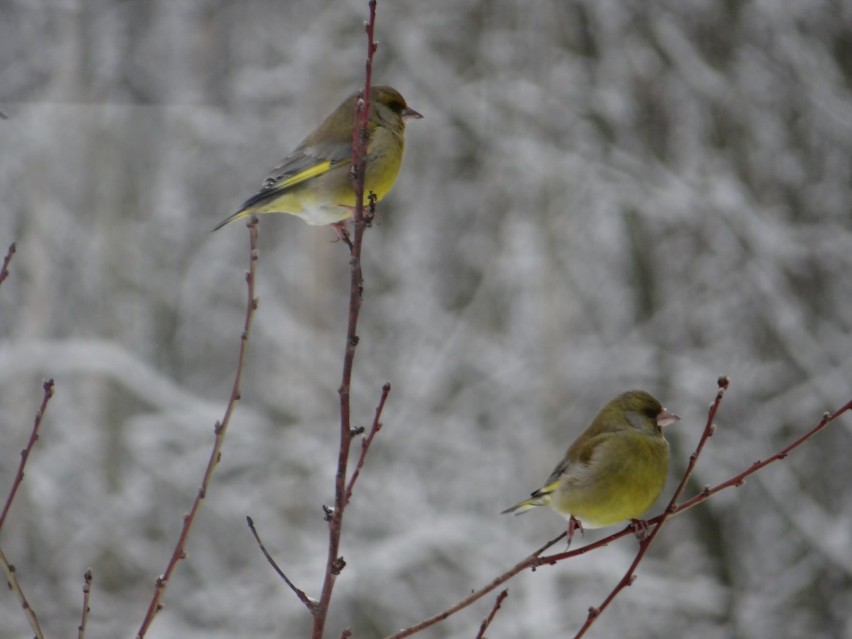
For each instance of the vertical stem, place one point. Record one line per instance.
(335, 563)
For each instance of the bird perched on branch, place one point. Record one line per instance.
(314, 181)
(614, 470)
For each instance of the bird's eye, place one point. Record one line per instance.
(396, 106)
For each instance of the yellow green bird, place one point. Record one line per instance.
(313, 182)
(615, 469)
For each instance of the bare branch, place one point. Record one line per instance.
(48, 388)
(367, 441)
(310, 604)
(738, 480)
(530, 561)
(219, 431)
(335, 563)
(15, 587)
(487, 621)
(87, 587)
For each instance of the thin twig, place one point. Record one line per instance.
(335, 563)
(48, 389)
(630, 576)
(367, 441)
(87, 587)
(310, 604)
(738, 480)
(487, 621)
(15, 587)
(219, 430)
(531, 561)
(4, 270)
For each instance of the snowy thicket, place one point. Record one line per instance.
(603, 195)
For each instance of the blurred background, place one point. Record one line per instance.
(603, 195)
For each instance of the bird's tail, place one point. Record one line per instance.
(541, 497)
(236, 216)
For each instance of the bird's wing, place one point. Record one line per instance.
(307, 162)
(576, 467)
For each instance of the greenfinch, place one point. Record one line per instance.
(614, 470)
(313, 182)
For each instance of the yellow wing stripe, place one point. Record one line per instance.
(301, 176)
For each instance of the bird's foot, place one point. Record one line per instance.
(574, 524)
(342, 233)
(641, 529)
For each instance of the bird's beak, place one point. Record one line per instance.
(410, 114)
(666, 419)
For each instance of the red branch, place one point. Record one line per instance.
(48, 388)
(219, 430)
(530, 561)
(367, 441)
(9, 569)
(487, 621)
(335, 563)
